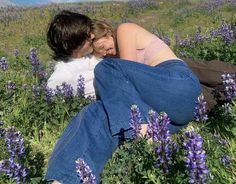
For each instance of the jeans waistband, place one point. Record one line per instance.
(171, 62)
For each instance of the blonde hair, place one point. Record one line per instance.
(102, 29)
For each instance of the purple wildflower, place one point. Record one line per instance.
(16, 53)
(33, 57)
(36, 91)
(66, 90)
(41, 74)
(84, 172)
(220, 140)
(225, 160)
(81, 86)
(142, 4)
(226, 32)
(11, 86)
(230, 86)
(14, 142)
(200, 109)
(3, 64)
(13, 170)
(152, 129)
(49, 93)
(158, 131)
(196, 158)
(135, 121)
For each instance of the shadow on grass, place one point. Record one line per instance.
(221, 123)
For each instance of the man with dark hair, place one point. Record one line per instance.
(69, 35)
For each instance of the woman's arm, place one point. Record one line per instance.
(127, 41)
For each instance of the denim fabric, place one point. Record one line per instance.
(95, 132)
(170, 87)
(88, 137)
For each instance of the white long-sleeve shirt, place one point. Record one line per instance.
(70, 73)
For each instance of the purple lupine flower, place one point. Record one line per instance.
(200, 109)
(66, 90)
(225, 160)
(11, 86)
(195, 158)
(36, 91)
(81, 86)
(226, 32)
(49, 94)
(142, 4)
(3, 64)
(159, 132)
(14, 142)
(214, 4)
(198, 37)
(13, 170)
(220, 140)
(33, 57)
(41, 73)
(230, 86)
(152, 129)
(16, 53)
(135, 121)
(84, 172)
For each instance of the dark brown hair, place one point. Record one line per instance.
(67, 32)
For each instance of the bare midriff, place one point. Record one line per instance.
(163, 55)
(155, 53)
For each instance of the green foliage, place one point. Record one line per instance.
(41, 123)
(210, 50)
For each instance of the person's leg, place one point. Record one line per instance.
(173, 89)
(118, 95)
(87, 137)
(209, 74)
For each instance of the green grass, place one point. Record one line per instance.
(41, 124)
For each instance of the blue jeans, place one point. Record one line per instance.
(95, 132)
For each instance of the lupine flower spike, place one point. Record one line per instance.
(225, 160)
(16, 149)
(49, 94)
(3, 64)
(81, 86)
(196, 158)
(66, 90)
(13, 170)
(200, 109)
(158, 131)
(230, 86)
(84, 172)
(11, 86)
(135, 121)
(14, 142)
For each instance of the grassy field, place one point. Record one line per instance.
(41, 123)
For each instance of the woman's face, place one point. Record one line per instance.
(104, 46)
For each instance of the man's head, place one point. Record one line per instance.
(69, 35)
